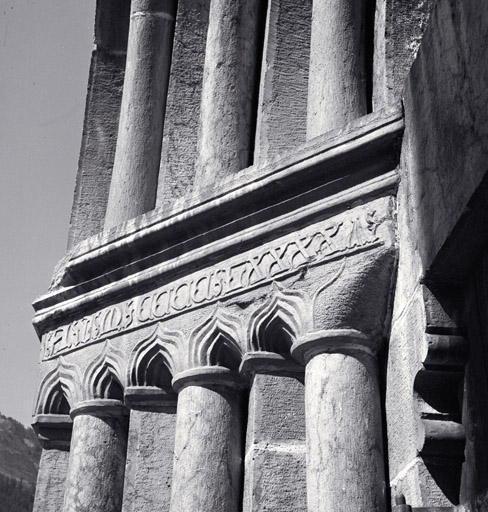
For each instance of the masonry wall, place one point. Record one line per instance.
(443, 162)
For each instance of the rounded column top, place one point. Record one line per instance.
(53, 430)
(333, 341)
(101, 407)
(207, 376)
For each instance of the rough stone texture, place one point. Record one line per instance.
(274, 476)
(337, 79)
(345, 469)
(180, 138)
(51, 480)
(443, 161)
(149, 468)
(96, 468)
(208, 450)
(136, 166)
(399, 27)
(227, 112)
(282, 109)
(447, 87)
(101, 122)
(362, 304)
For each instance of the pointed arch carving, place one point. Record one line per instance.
(217, 341)
(155, 360)
(104, 376)
(278, 322)
(59, 389)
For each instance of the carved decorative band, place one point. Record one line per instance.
(207, 376)
(103, 407)
(330, 341)
(326, 241)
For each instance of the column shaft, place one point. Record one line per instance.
(337, 82)
(228, 90)
(135, 175)
(345, 469)
(208, 450)
(97, 464)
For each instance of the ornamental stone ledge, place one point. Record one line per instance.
(355, 251)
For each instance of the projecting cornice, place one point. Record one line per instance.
(324, 177)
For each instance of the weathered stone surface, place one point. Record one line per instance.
(399, 27)
(149, 468)
(51, 480)
(96, 467)
(274, 476)
(337, 78)
(180, 138)
(100, 127)
(282, 109)
(447, 87)
(344, 437)
(276, 479)
(208, 450)
(136, 166)
(225, 141)
(98, 145)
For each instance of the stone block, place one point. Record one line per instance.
(149, 466)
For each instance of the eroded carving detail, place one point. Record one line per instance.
(217, 341)
(59, 390)
(104, 376)
(278, 322)
(315, 244)
(154, 360)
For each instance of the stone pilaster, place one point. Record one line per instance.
(274, 469)
(150, 448)
(345, 468)
(97, 459)
(228, 90)
(207, 471)
(54, 433)
(135, 175)
(337, 80)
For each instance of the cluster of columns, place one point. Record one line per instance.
(336, 93)
(344, 454)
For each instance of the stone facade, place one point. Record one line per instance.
(274, 296)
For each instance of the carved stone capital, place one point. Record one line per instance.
(100, 407)
(150, 397)
(208, 376)
(53, 430)
(332, 341)
(268, 363)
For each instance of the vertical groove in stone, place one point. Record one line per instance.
(337, 83)
(137, 157)
(345, 467)
(180, 138)
(96, 465)
(225, 143)
(282, 109)
(209, 442)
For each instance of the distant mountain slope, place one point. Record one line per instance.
(19, 462)
(19, 450)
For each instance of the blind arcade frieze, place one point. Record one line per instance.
(356, 230)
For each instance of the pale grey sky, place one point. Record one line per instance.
(45, 48)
